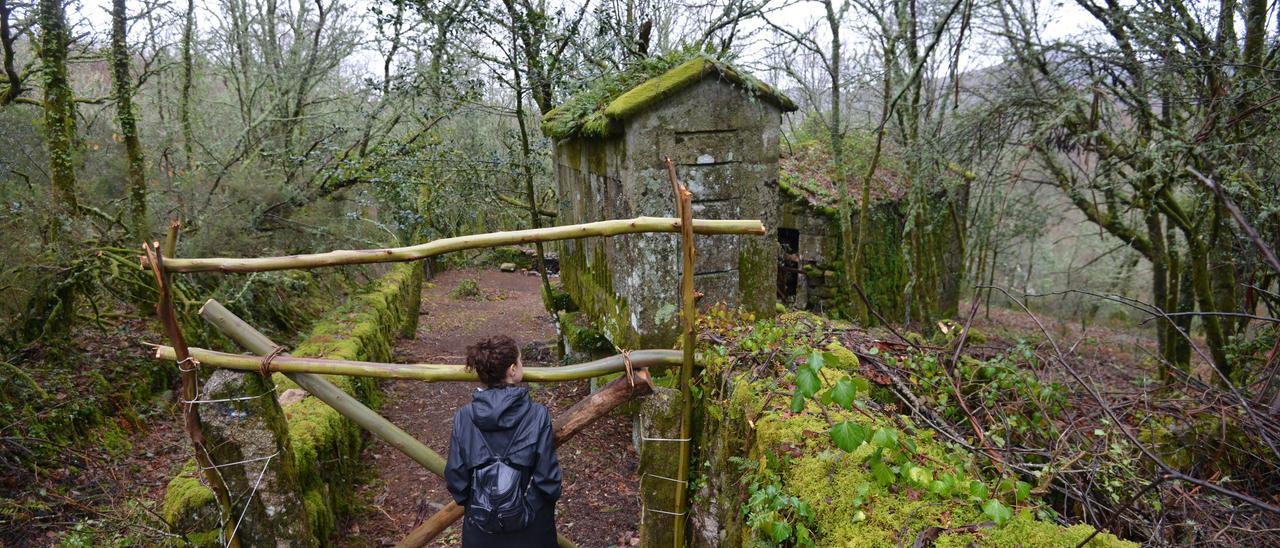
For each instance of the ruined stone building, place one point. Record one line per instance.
(722, 128)
(810, 263)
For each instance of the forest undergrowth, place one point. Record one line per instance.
(1055, 422)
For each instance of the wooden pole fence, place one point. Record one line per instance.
(492, 239)
(188, 370)
(567, 425)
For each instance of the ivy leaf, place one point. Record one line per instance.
(978, 489)
(848, 436)
(882, 473)
(920, 475)
(939, 487)
(807, 382)
(861, 384)
(843, 393)
(815, 361)
(885, 437)
(780, 531)
(997, 511)
(1021, 491)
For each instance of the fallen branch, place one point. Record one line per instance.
(1167, 471)
(422, 371)
(492, 239)
(567, 425)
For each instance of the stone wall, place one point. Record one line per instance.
(325, 446)
(725, 145)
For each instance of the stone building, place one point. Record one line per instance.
(721, 127)
(810, 260)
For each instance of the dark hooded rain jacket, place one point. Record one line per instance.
(497, 413)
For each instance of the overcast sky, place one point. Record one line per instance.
(1061, 19)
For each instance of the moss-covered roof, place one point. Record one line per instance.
(599, 110)
(805, 175)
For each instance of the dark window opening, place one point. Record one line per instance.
(788, 263)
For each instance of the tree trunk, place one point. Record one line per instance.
(184, 100)
(525, 153)
(59, 106)
(137, 177)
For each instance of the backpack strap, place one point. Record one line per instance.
(512, 441)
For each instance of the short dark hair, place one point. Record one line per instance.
(491, 357)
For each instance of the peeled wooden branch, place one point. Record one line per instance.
(567, 425)
(688, 318)
(422, 371)
(492, 239)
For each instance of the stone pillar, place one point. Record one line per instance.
(659, 418)
(249, 440)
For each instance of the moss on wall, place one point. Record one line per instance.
(326, 446)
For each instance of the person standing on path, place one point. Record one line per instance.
(502, 465)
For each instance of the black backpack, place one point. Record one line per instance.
(498, 503)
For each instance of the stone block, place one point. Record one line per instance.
(659, 419)
(249, 441)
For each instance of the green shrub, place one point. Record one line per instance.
(467, 290)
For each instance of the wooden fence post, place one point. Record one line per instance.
(189, 369)
(689, 313)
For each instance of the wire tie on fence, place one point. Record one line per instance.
(189, 361)
(666, 478)
(642, 438)
(241, 398)
(646, 509)
(266, 361)
(249, 498)
(246, 461)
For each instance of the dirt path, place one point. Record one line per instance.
(599, 506)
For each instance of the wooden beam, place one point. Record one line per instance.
(657, 359)
(492, 239)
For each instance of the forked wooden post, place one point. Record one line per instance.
(684, 207)
(188, 369)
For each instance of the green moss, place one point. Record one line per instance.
(185, 496)
(326, 445)
(319, 513)
(1024, 530)
(582, 337)
(850, 508)
(846, 360)
(113, 439)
